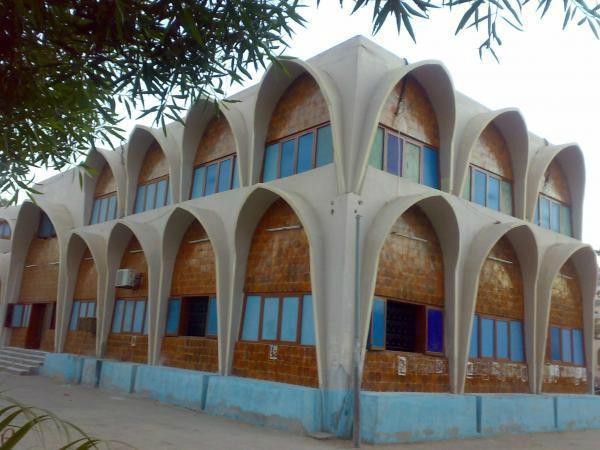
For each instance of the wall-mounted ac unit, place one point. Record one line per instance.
(126, 278)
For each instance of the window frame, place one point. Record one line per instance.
(182, 299)
(4, 225)
(25, 315)
(81, 301)
(234, 161)
(561, 204)
(495, 357)
(107, 196)
(134, 301)
(560, 346)
(500, 178)
(296, 138)
(146, 184)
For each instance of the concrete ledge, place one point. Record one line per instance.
(264, 403)
(118, 376)
(577, 412)
(506, 413)
(171, 385)
(62, 366)
(90, 372)
(410, 417)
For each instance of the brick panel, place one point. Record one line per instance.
(424, 373)
(194, 271)
(502, 377)
(127, 347)
(106, 183)
(186, 352)
(86, 286)
(279, 261)
(47, 344)
(491, 152)
(555, 183)
(300, 107)
(40, 281)
(80, 343)
(155, 164)
(415, 116)
(217, 141)
(18, 337)
(136, 261)
(294, 364)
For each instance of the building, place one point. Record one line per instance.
(228, 247)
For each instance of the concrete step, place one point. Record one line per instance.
(11, 356)
(21, 361)
(25, 351)
(15, 370)
(17, 364)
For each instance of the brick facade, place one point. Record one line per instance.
(127, 347)
(491, 153)
(410, 270)
(300, 107)
(555, 183)
(414, 116)
(155, 164)
(187, 352)
(500, 294)
(40, 274)
(217, 141)
(106, 183)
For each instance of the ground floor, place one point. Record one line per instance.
(146, 424)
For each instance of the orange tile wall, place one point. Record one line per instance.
(415, 116)
(217, 141)
(491, 152)
(40, 283)
(187, 352)
(555, 183)
(18, 336)
(155, 164)
(106, 183)
(127, 347)
(300, 107)
(409, 270)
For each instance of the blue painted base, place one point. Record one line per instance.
(386, 417)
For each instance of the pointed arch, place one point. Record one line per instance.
(101, 160)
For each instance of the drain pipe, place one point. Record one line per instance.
(356, 425)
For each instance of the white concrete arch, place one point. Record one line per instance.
(584, 259)
(525, 244)
(140, 140)
(97, 159)
(198, 117)
(442, 216)
(175, 228)
(273, 84)
(435, 79)
(118, 239)
(256, 203)
(512, 125)
(570, 158)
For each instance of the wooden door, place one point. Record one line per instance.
(36, 325)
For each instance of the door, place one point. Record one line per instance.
(36, 326)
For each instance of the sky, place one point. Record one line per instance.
(551, 75)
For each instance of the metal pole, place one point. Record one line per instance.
(356, 426)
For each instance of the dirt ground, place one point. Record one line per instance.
(145, 424)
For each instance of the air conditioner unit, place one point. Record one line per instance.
(126, 278)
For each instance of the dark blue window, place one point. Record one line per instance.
(493, 193)
(435, 331)
(211, 324)
(578, 357)
(270, 318)
(46, 229)
(112, 208)
(431, 168)
(487, 337)
(161, 193)
(198, 184)
(225, 175)
(138, 319)
(150, 196)
(378, 324)
(393, 154)
(74, 316)
(305, 151)
(17, 316)
(95, 212)
(289, 319)
(501, 339)
(287, 158)
(271, 162)
(308, 325)
(251, 318)
(565, 341)
(139, 199)
(479, 187)
(516, 341)
(173, 312)
(474, 347)
(118, 316)
(211, 179)
(555, 343)
(324, 146)
(128, 316)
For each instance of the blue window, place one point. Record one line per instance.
(270, 318)
(138, 319)
(112, 208)
(501, 339)
(224, 175)
(516, 341)
(565, 341)
(287, 158)
(305, 152)
(17, 316)
(95, 212)
(479, 187)
(474, 347)
(74, 316)
(289, 319)
(173, 311)
(103, 210)
(26, 315)
(118, 316)
(161, 193)
(324, 146)
(493, 194)
(198, 183)
(211, 179)
(46, 229)
(487, 338)
(487, 189)
(393, 154)
(128, 316)
(211, 321)
(554, 216)
(578, 357)
(435, 331)
(544, 213)
(83, 310)
(565, 221)
(376, 155)
(140, 199)
(150, 196)
(91, 309)
(251, 318)
(378, 324)
(431, 168)
(271, 162)
(236, 176)
(555, 343)
(308, 325)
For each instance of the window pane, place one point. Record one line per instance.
(487, 338)
(516, 341)
(287, 158)
(26, 315)
(544, 212)
(378, 323)
(112, 208)
(289, 319)
(474, 348)
(501, 339)
(578, 357)
(146, 325)
(565, 342)
(225, 175)
(173, 311)
(46, 228)
(198, 184)
(270, 318)
(435, 330)
(211, 179)
(479, 180)
(150, 196)
(493, 193)
(412, 166)
(128, 316)
(554, 216)
(95, 212)
(169, 193)
(393, 154)
(555, 343)
(17, 316)
(565, 220)
(271, 160)
(211, 325)
(139, 199)
(324, 146)
(466, 193)
(431, 168)
(506, 197)
(236, 175)
(161, 193)
(305, 146)
(308, 324)
(536, 217)
(119, 306)
(138, 321)
(83, 309)
(74, 316)
(91, 310)
(376, 155)
(251, 318)
(103, 210)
